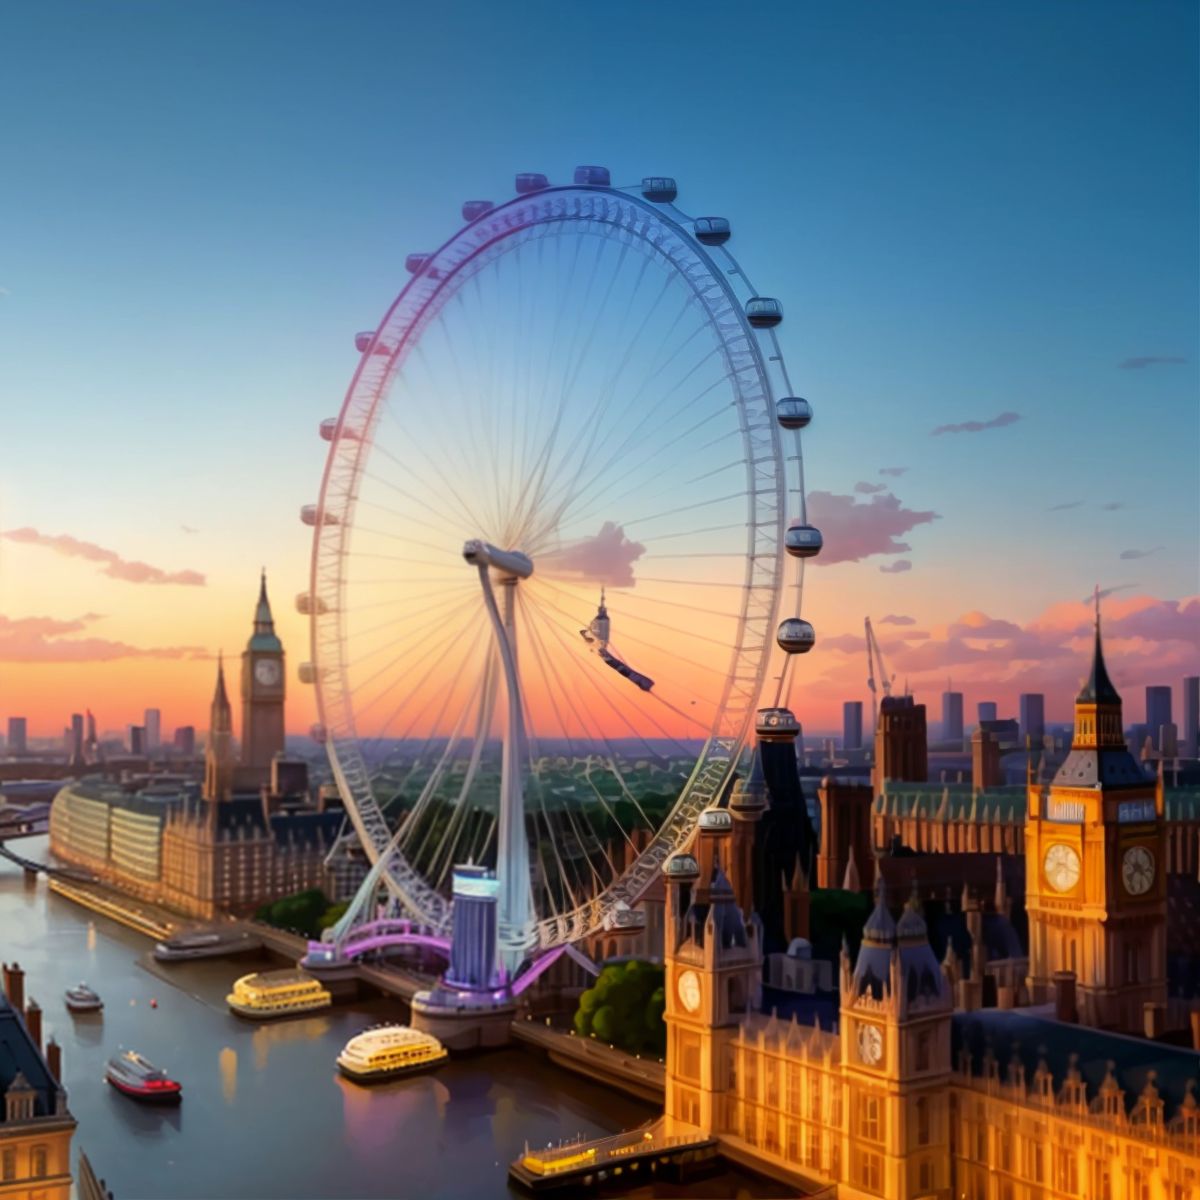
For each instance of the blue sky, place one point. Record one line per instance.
(966, 210)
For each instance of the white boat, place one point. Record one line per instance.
(133, 1075)
(271, 994)
(83, 999)
(205, 943)
(389, 1051)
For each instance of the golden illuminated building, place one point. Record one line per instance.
(1096, 874)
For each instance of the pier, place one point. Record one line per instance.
(633, 1157)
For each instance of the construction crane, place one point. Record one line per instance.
(874, 660)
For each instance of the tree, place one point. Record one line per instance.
(624, 1007)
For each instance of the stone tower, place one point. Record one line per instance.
(901, 742)
(218, 753)
(262, 689)
(1096, 874)
(713, 960)
(895, 1029)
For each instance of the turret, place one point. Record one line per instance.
(218, 753)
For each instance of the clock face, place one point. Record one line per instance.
(1062, 867)
(688, 988)
(266, 671)
(1137, 870)
(870, 1044)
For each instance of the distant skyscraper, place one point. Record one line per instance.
(185, 741)
(153, 724)
(952, 716)
(473, 944)
(137, 739)
(1033, 717)
(1191, 718)
(1158, 711)
(852, 725)
(90, 732)
(987, 710)
(77, 731)
(18, 735)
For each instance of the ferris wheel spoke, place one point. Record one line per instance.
(443, 621)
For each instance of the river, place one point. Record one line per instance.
(265, 1114)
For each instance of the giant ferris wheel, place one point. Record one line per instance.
(548, 568)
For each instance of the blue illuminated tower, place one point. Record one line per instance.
(473, 937)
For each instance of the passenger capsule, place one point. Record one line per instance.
(764, 312)
(415, 263)
(795, 636)
(363, 340)
(712, 231)
(681, 866)
(794, 412)
(531, 181)
(714, 820)
(307, 672)
(328, 428)
(308, 605)
(659, 188)
(592, 177)
(310, 515)
(472, 210)
(803, 541)
(319, 734)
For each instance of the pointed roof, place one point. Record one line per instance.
(264, 637)
(221, 713)
(880, 926)
(1098, 688)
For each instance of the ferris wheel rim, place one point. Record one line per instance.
(720, 754)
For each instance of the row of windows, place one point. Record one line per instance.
(37, 1163)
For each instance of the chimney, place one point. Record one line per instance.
(33, 1022)
(1064, 996)
(14, 986)
(54, 1059)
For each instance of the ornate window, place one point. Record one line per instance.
(37, 1159)
(923, 1122)
(9, 1165)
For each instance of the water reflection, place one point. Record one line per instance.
(87, 1028)
(280, 1032)
(227, 1064)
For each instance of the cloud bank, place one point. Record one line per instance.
(128, 570)
(854, 531)
(1148, 360)
(49, 640)
(998, 422)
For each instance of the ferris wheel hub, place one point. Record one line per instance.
(508, 562)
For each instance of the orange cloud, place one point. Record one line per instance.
(48, 640)
(129, 570)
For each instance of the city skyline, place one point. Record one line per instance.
(1012, 294)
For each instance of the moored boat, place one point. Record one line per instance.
(388, 1052)
(82, 999)
(204, 943)
(135, 1076)
(277, 994)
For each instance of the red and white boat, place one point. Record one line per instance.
(135, 1076)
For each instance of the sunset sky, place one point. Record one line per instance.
(980, 220)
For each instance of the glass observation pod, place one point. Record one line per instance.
(328, 430)
(307, 604)
(307, 672)
(414, 263)
(712, 231)
(363, 340)
(659, 188)
(310, 515)
(472, 210)
(793, 412)
(626, 920)
(714, 820)
(803, 541)
(318, 734)
(681, 866)
(531, 181)
(764, 312)
(796, 636)
(592, 177)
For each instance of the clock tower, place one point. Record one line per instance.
(713, 959)
(262, 689)
(896, 1012)
(1095, 855)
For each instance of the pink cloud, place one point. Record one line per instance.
(997, 422)
(892, 619)
(854, 531)
(607, 558)
(900, 565)
(129, 570)
(46, 640)
(870, 489)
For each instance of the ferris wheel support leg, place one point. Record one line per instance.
(515, 906)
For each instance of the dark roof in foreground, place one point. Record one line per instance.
(19, 1054)
(1010, 1031)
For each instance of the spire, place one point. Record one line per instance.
(263, 621)
(1098, 688)
(221, 713)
